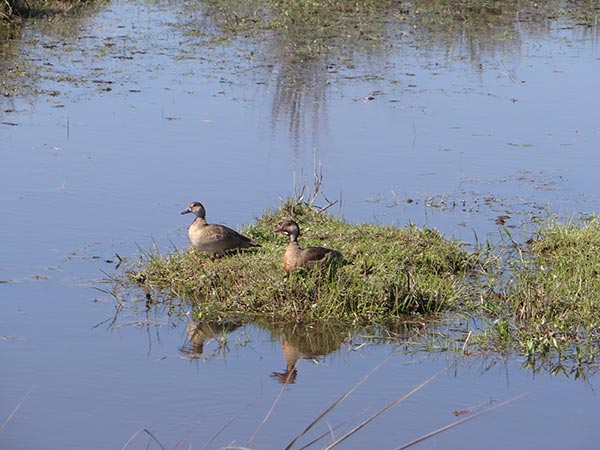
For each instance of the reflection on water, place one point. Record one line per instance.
(308, 45)
(13, 73)
(23, 70)
(305, 60)
(297, 341)
(315, 342)
(305, 342)
(582, 368)
(200, 333)
(299, 62)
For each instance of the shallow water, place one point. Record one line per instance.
(129, 117)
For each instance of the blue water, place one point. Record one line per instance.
(89, 173)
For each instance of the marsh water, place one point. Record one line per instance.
(124, 114)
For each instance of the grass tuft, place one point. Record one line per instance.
(551, 298)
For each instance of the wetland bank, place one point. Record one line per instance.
(470, 122)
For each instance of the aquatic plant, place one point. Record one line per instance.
(551, 296)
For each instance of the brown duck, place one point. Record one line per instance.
(213, 238)
(296, 257)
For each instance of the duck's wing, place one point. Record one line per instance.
(229, 238)
(318, 254)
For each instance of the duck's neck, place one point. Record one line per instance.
(293, 244)
(199, 221)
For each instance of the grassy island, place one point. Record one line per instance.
(392, 272)
(539, 297)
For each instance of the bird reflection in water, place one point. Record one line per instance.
(310, 343)
(200, 333)
(291, 355)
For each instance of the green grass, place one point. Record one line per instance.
(552, 297)
(394, 272)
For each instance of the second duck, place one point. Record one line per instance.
(296, 257)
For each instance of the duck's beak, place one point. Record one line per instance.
(279, 230)
(187, 211)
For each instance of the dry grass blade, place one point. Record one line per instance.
(266, 415)
(339, 400)
(225, 425)
(14, 411)
(321, 436)
(458, 422)
(382, 411)
(137, 433)
(329, 432)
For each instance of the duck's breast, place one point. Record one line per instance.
(291, 259)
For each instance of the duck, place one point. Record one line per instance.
(296, 257)
(213, 238)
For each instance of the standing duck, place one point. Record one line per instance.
(296, 257)
(213, 238)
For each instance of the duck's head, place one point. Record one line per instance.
(195, 208)
(290, 228)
